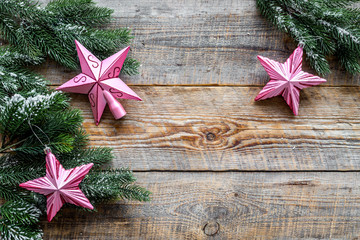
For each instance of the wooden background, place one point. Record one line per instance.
(220, 165)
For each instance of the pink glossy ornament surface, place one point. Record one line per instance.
(115, 107)
(60, 185)
(287, 79)
(99, 76)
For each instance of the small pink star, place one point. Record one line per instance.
(287, 79)
(60, 185)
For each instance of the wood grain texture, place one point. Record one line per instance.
(222, 128)
(189, 135)
(225, 206)
(192, 42)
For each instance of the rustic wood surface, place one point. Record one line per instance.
(220, 165)
(225, 206)
(222, 128)
(204, 42)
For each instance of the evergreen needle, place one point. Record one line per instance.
(33, 33)
(323, 27)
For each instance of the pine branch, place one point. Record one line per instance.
(82, 12)
(17, 110)
(18, 80)
(102, 185)
(130, 67)
(323, 27)
(20, 212)
(11, 177)
(18, 221)
(31, 115)
(8, 192)
(98, 156)
(11, 231)
(10, 56)
(39, 32)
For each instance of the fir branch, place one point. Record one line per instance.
(17, 110)
(102, 185)
(38, 32)
(323, 27)
(8, 192)
(12, 177)
(130, 66)
(98, 156)
(34, 33)
(13, 231)
(82, 12)
(19, 219)
(10, 56)
(20, 212)
(18, 80)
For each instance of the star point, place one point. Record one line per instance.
(287, 79)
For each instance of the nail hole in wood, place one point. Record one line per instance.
(211, 228)
(210, 136)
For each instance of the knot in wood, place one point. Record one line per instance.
(211, 228)
(210, 136)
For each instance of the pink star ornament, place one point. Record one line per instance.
(60, 185)
(99, 79)
(287, 79)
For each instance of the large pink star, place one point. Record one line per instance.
(60, 185)
(99, 79)
(287, 79)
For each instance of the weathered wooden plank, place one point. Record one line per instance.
(222, 128)
(194, 42)
(225, 206)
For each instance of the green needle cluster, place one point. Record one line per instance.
(324, 27)
(32, 33)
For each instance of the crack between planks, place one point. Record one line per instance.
(217, 85)
(248, 171)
